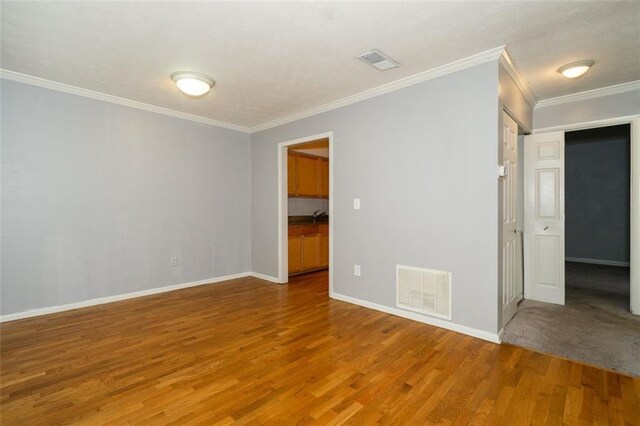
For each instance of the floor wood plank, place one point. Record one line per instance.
(251, 352)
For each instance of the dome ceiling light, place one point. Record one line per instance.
(193, 83)
(575, 69)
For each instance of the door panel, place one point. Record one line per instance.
(511, 263)
(324, 178)
(291, 174)
(309, 251)
(307, 182)
(295, 258)
(323, 250)
(547, 193)
(544, 217)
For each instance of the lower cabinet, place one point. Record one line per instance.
(308, 247)
(309, 252)
(295, 260)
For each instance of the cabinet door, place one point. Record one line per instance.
(307, 182)
(323, 250)
(324, 178)
(295, 259)
(309, 252)
(291, 173)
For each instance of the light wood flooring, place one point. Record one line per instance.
(252, 352)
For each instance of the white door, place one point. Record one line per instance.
(511, 251)
(544, 217)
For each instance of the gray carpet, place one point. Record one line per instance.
(613, 279)
(594, 327)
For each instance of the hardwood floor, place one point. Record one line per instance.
(252, 352)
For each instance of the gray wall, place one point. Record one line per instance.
(97, 198)
(423, 161)
(618, 105)
(597, 176)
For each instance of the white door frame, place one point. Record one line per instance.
(283, 207)
(634, 257)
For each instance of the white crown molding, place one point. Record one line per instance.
(66, 88)
(459, 65)
(499, 53)
(590, 94)
(614, 121)
(520, 80)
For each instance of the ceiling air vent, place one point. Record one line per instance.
(378, 60)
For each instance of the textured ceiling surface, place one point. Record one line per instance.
(271, 60)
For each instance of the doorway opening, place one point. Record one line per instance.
(305, 198)
(588, 207)
(597, 214)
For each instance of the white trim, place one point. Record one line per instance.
(590, 94)
(634, 256)
(66, 88)
(596, 261)
(588, 124)
(283, 207)
(521, 81)
(498, 53)
(634, 246)
(108, 299)
(469, 331)
(265, 277)
(459, 65)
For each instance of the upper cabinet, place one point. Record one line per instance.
(324, 178)
(308, 176)
(291, 173)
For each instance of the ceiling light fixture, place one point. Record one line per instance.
(193, 83)
(575, 69)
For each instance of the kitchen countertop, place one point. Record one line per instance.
(307, 220)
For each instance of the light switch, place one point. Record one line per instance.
(356, 203)
(356, 270)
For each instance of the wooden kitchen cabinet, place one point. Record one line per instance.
(309, 252)
(308, 247)
(295, 260)
(307, 183)
(307, 176)
(323, 250)
(324, 178)
(291, 173)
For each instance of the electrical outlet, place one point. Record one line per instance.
(174, 261)
(356, 270)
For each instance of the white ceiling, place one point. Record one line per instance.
(271, 60)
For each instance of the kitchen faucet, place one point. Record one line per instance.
(317, 214)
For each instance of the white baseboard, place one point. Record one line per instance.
(116, 298)
(265, 277)
(480, 334)
(596, 261)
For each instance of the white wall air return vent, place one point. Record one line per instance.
(424, 290)
(378, 60)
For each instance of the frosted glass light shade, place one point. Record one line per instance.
(575, 69)
(192, 83)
